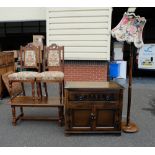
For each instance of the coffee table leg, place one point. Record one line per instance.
(38, 90)
(33, 90)
(21, 110)
(61, 117)
(13, 116)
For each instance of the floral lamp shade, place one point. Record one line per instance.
(130, 29)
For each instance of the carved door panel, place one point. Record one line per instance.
(106, 119)
(79, 118)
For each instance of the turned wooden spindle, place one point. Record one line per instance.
(128, 126)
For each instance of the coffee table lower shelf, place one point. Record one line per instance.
(27, 101)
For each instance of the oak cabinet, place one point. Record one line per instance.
(93, 107)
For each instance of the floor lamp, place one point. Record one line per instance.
(130, 29)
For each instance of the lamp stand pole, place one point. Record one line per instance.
(129, 127)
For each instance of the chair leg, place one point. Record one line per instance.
(38, 90)
(45, 86)
(22, 112)
(33, 90)
(22, 84)
(61, 115)
(10, 87)
(13, 116)
(63, 91)
(63, 85)
(60, 92)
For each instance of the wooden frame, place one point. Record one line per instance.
(37, 66)
(54, 47)
(60, 67)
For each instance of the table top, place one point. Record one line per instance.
(92, 85)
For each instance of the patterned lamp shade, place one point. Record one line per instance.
(130, 29)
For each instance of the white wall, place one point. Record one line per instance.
(22, 13)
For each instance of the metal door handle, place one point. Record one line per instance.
(92, 116)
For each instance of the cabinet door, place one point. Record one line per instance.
(79, 119)
(106, 119)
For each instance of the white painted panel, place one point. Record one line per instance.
(80, 43)
(81, 13)
(78, 37)
(79, 20)
(22, 13)
(78, 31)
(109, 28)
(85, 32)
(86, 49)
(87, 56)
(78, 25)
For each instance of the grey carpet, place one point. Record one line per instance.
(49, 134)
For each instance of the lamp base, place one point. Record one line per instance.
(131, 128)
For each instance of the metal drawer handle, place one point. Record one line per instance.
(107, 98)
(81, 98)
(92, 116)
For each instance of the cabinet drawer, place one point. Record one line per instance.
(94, 96)
(88, 104)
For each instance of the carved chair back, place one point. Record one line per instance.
(54, 58)
(30, 57)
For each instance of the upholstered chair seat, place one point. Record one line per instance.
(50, 75)
(25, 75)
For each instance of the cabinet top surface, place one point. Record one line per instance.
(92, 85)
